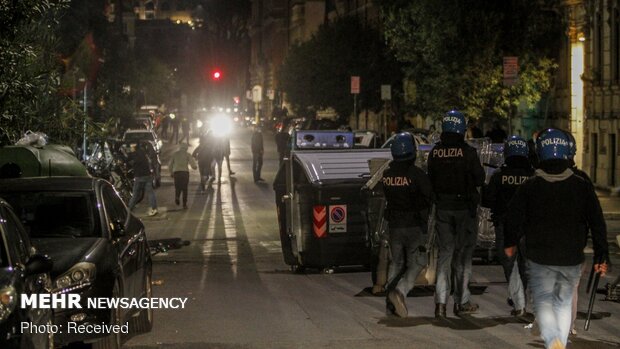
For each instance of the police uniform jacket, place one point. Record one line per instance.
(554, 210)
(455, 171)
(503, 184)
(408, 193)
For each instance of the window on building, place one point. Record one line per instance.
(165, 6)
(615, 51)
(598, 46)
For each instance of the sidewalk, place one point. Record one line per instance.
(610, 204)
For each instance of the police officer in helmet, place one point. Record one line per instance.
(408, 194)
(496, 195)
(554, 210)
(455, 173)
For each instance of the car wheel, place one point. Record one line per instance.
(114, 340)
(143, 323)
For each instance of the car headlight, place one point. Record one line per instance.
(8, 299)
(199, 123)
(76, 276)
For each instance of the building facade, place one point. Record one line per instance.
(594, 50)
(278, 24)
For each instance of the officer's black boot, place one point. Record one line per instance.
(440, 311)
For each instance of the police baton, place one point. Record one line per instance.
(592, 296)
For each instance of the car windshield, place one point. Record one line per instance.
(56, 214)
(137, 136)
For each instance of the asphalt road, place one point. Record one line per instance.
(242, 295)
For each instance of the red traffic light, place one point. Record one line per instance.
(216, 75)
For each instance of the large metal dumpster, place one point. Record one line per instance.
(319, 202)
(48, 160)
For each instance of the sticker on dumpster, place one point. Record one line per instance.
(338, 218)
(319, 221)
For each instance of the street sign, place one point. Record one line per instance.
(271, 94)
(248, 94)
(386, 92)
(337, 218)
(257, 94)
(355, 85)
(511, 71)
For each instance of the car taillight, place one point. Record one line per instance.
(319, 221)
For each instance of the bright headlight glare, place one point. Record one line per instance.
(8, 299)
(221, 126)
(199, 123)
(78, 274)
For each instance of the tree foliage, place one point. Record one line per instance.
(453, 51)
(316, 74)
(30, 70)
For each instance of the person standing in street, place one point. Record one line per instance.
(455, 173)
(217, 151)
(143, 177)
(179, 162)
(174, 120)
(204, 154)
(185, 128)
(496, 196)
(227, 154)
(282, 143)
(408, 194)
(554, 210)
(257, 153)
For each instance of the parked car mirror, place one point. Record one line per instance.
(38, 264)
(118, 228)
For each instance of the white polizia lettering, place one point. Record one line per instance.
(448, 153)
(396, 181)
(453, 119)
(514, 180)
(556, 140)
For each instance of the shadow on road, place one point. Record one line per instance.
(465, 323)
(421, 291)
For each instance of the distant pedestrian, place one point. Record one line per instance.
(282, 143)
(496, 195)
(257, 153)
(165, 122)
(174, 120)
(179, 163)
(217, 151)
(143, 177)
(408, 194)
(185, 128)
(456, 173)
(554, 211)
(473, 131)
(204, 154)
(497, 133)
(227, 154)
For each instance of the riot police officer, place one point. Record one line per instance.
(408, 194)
(496, 195)
(455, 173)
(554, 210)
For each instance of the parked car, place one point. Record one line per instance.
(22, 272)
(99, 248)
(133, 136)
